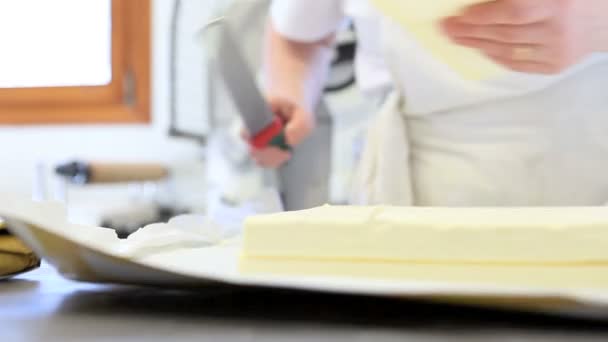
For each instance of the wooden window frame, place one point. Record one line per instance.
(125, 100)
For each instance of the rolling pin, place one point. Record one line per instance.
(79, 172)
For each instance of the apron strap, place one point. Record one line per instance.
(384, 176)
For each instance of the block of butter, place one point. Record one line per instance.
(421, 19)
(498, 236)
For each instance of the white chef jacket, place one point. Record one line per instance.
(517, 139)
(313, 20)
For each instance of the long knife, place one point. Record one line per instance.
(265, 127)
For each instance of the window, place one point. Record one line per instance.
(74, 61)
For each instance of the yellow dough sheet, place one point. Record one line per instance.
(422, 18)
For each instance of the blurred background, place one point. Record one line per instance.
(112, 107)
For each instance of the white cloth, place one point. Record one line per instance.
(517, 139)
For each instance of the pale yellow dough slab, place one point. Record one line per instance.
(422, 18)
(548, 277)
(456, 236)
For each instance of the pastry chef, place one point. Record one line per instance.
(453, 133)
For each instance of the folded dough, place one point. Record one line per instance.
(15, 257)
(421, 19)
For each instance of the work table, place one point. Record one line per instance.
(42, 306)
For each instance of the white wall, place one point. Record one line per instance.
(22, 147)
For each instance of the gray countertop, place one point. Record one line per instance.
(42, 306)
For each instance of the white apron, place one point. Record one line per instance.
(516, 140)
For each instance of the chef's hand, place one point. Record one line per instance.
(300, 123)
(535, 36)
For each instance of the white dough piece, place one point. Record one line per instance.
(421, 19)
(529, 236)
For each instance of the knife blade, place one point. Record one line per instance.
(265, 127)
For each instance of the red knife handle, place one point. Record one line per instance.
(273, 135)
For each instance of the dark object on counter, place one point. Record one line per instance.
(128, 222)
(79, 172)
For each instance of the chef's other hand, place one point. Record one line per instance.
(299, 124)
(534, 36)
